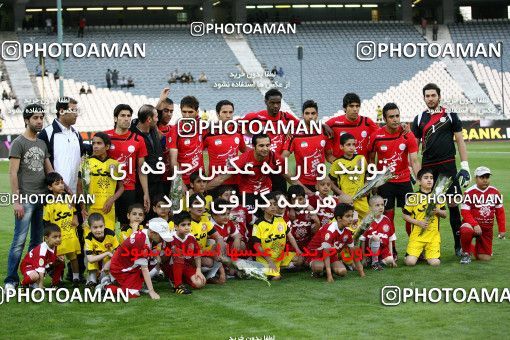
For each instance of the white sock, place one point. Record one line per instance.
(154, 271)
(76, 276)
(92, 277)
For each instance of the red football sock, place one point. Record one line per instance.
(466, 237)
(408, 228)
(177, 271)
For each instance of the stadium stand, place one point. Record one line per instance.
(330, 66)
(491, 81)
(167, 49)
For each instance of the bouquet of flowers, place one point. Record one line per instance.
(176, 192)
(364, 225)
(376, 182)
(247, 269)
(85, 177)
(440, 188)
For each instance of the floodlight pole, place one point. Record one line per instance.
(502, 82)
(300, 58)
(60, 40)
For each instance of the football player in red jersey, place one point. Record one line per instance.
(223, 147)
(255, 160)
(308, 148)
(128, 149)
(481, 203)
(329, 241)
(185, 139)
(36, 261)
(359, 126)
(272, 115)
(394, 148)
(436, 129)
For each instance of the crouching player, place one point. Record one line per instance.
(425, 234)
(129, 264)
(100, 244)
(270, 234)
(182, 266)
(36, 261)
(329, 241)
(478, 219)
(379, 235)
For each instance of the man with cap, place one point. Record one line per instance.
(481, 203)
(130, 262)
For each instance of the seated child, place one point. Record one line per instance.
(302, 223)
(270, 234)
(100, 244)
(34, 264)
(180, 267)
(135, 216)
(329, 241)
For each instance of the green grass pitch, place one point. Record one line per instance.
(296, 307)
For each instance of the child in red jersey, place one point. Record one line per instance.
(323, 202)
(481, 203)
(239, 214)
(220, 217)
(303, 224)
(130, 262)
(377, 239)
(34, 264)
(329, 241)
(185, 263)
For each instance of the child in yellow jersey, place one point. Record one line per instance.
(270, 234)
(135, 216)
(161, 207)
(63, 214)
(197, 185)
(103, 183)
(425, 234)
(348, 174)
(100, 244)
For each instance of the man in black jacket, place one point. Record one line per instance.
(146, 126)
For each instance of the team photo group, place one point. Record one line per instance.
(191, 206)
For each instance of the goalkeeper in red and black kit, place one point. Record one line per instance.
(436, 128)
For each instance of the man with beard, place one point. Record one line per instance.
(29, 162)
(225, 146)
(436, 129)
(165, 109)
(128, 149)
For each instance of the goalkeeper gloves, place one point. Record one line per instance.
(463, 176)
